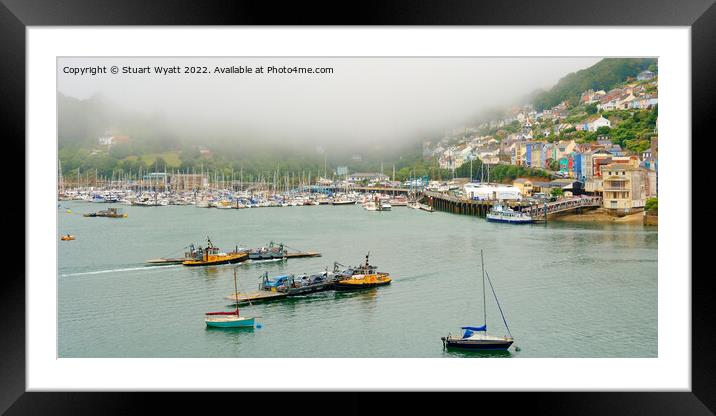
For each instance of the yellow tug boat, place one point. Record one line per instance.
(362, 277)
(362, 281)
(210, 256)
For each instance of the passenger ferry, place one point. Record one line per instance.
(500, 213)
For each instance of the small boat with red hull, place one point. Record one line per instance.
(230, 319)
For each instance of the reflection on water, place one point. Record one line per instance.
(569, 280)
(478, 354)
(239, 329)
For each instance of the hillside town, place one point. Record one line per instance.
(571, 141)
(596, 142)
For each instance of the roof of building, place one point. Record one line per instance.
(366, 174)
(563, 181)
(620, 166)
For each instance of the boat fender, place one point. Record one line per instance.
(258, 326)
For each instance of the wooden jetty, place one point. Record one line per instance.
(259, 296)
(449, 203)
(167, 261)
(300, 254)
(163, 261)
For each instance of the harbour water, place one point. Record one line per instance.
(567, 289)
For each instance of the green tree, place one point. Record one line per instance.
(605, 74)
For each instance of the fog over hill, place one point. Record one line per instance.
(365, 103)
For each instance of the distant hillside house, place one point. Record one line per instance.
(204, 151)
(600, 122)
(645, 75)
(110, 140)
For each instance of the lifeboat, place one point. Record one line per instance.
(67, 237)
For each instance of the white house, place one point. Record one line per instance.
(600, 122)
(645, 75)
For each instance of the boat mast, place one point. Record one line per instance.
(484, 304)
(498, 305)
(236, 293)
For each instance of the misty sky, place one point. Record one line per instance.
(365, 99)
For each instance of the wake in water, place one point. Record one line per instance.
(146, 268)
(128, 269)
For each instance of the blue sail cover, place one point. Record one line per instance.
(475, 328)
(469, 330)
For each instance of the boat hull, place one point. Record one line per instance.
(348, 286)
(511, 220)
(482, 345)
(226, 260)
(238, 323)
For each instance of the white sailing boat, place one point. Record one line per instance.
(476, 337)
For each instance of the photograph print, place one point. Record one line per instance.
(286, 207)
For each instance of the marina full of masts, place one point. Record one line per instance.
(157, 190)
(230, 199)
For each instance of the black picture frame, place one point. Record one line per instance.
(16, 15)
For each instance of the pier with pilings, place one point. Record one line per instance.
(448, 203)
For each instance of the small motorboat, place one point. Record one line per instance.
(67, 237)
(109, 213)
(419, 206)
(377, 205)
